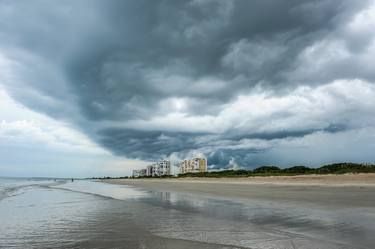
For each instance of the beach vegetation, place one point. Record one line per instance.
(336, 168)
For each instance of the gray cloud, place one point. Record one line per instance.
(153, 145)
(147, 79)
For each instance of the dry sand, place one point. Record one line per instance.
(349, 190)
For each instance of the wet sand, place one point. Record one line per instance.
(84, 214)
(187, 213)
(311, 212)
(351, 190)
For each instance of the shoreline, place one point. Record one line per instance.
(350, 190)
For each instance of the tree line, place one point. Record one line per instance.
(336, 168)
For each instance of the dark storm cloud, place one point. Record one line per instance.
(152, 145)
(100, 64)
(249, 158)
(285, 134)
(155, 145)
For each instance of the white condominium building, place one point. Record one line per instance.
(149, 170)
(161, 168)
(139, 173)
(135, 173)
(195, 165)
(164, 168)
(155, 169)
(142, 172)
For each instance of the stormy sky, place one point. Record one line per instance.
(245, 83)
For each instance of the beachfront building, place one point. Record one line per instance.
(135, 173)
(161, 168)
(194, 165)
(139, 173)
(142, 172)
(164, 168)
(155, 170)
(149, 169)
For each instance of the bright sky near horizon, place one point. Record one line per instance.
(93, 88)
(32, 144)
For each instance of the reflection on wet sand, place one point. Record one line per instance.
(255, 224)
(97, 215)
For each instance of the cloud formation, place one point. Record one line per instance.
(235, 80)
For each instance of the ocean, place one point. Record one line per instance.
(42, 213)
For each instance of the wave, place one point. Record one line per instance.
(10, 192)
(118, 192)
(17, 187)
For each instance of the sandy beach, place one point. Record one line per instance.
(339, 190)
(310, 211)
(254, 213)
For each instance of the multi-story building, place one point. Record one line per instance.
(155, 169)
(139, 173)
(164, 168)
(194, 165)
(135, 173)
(142, 172)
(149, 169)
(161, 168)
